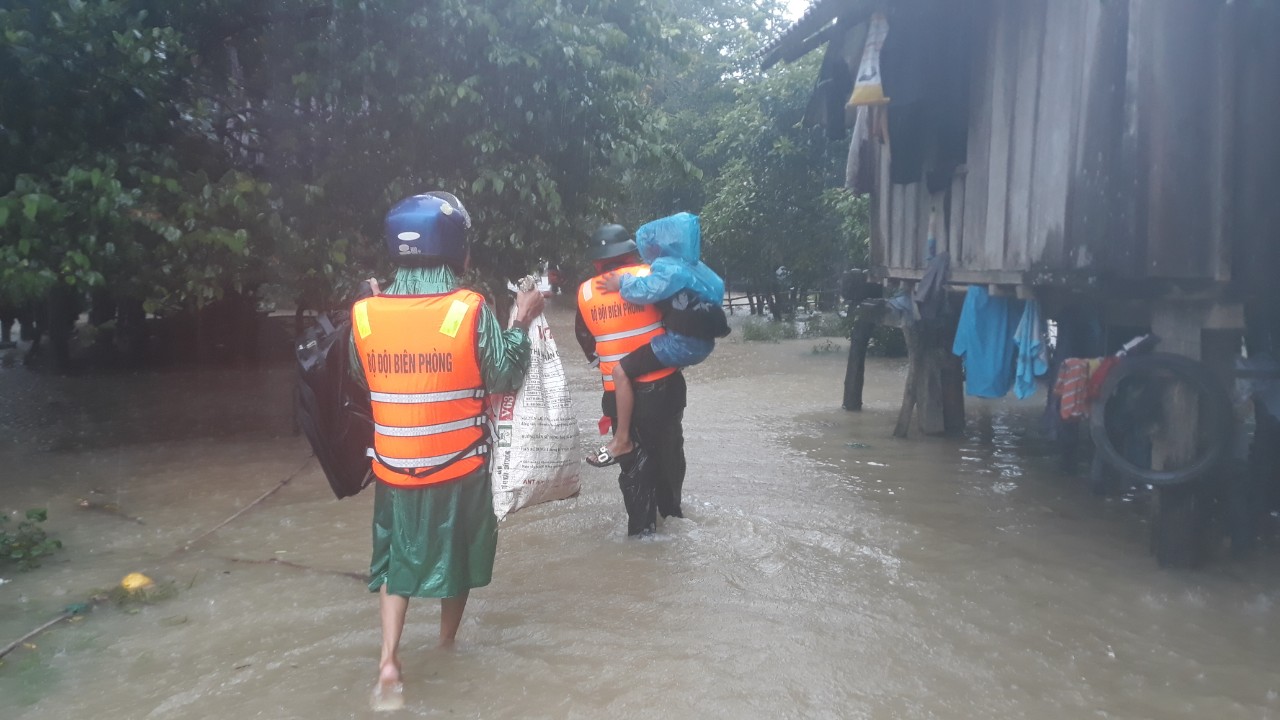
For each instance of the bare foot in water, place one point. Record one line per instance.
(388, 694)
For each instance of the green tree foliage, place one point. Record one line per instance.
(183, 151)
(692, 94)
(777, 203)
(525, 110)
(767, 187)
(104, 172)
(175, 154)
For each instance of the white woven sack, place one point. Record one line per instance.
(535, 454)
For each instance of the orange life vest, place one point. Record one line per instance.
(421, 360)
(618, 326)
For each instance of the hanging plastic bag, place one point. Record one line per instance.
(868, 89)
(535, 455)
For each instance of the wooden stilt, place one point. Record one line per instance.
(930, 393)
(866, 317)
(952, 378)
(925, 391)
(953, 395)
(915, 359)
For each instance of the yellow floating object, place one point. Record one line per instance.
(136, 581)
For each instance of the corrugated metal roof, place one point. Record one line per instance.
(809, 32)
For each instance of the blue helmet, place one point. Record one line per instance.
(431, 226)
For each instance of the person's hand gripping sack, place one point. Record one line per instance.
(529, 305)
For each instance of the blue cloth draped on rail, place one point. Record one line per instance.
(984, 338)
(1002, 342)
(1033, 355)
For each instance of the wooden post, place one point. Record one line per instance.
(929, 394)
(912, 335)
(932, 402)
(1174, 444)
(953, 420)
(866, 317)
(1182, 519)
(924, 389)
(952, 376)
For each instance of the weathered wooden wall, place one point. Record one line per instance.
(1256, 206)
(1034, 104)
(1104, 140)
(1181, 99)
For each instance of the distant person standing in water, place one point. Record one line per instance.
(429, 353)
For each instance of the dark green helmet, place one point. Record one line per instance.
(610, 241)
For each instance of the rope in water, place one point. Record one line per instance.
(248, 507)
(75, 610)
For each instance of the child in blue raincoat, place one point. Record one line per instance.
(689, 293)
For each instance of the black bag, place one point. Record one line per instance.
(688, 314)
(332, 409)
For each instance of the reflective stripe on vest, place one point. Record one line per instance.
(425, 430)
(630, 333)
(413, 398)
(619, 327)
(410, 463)
(421, 360)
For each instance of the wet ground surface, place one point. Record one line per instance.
(825, 570)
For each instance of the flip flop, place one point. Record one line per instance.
(603, 458)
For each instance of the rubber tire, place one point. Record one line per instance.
(1215, 409)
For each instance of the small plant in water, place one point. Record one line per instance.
(825, 325)
(758, 330)
(28, 542)
(825, 347)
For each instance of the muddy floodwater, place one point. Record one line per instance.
(824, 570)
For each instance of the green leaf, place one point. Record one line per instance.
(4, 215)
(30, 207)
(37, 514)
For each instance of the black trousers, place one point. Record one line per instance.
(652, 478)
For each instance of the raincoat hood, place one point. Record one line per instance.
(672, 246)
(678, 237)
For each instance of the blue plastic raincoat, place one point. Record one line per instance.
(672, 246)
